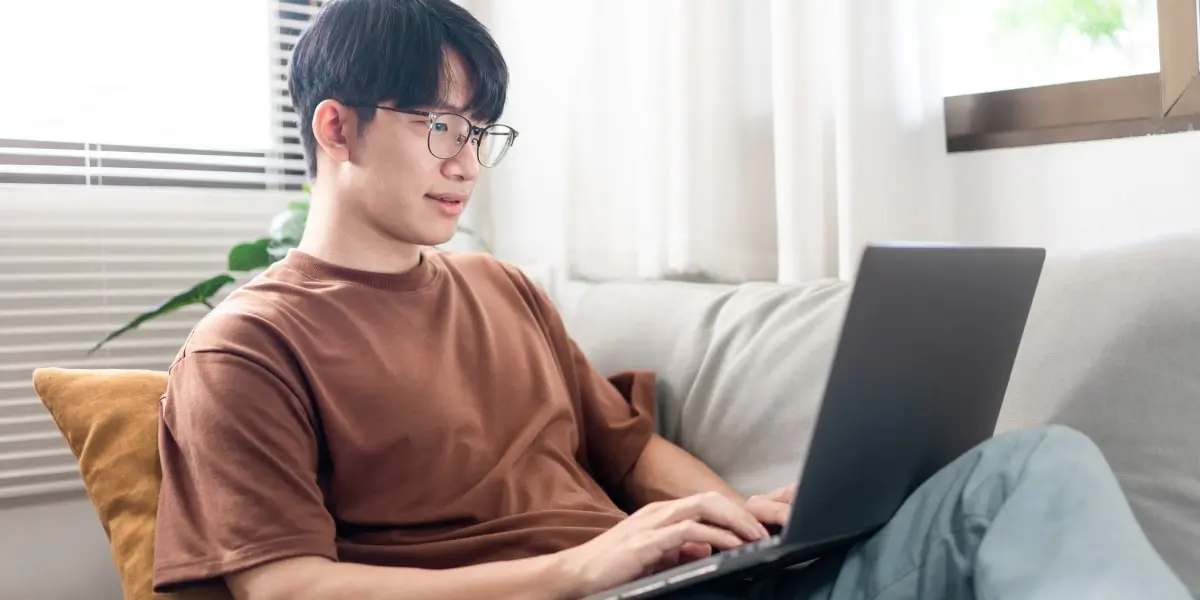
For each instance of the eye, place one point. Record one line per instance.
(440, 127)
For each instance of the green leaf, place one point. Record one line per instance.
(1096, 19)
(286, 229)
(198, 294)
(250, 255)
(288, 226)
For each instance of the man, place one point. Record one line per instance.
(369, 419)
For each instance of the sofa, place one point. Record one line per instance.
(1112, 348)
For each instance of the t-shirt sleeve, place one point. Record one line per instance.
(617, 422)
(617, 413)
(239, 453)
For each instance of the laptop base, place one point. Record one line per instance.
(741, 563)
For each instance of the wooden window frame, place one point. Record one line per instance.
(1163, 102)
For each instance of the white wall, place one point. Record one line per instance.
(55, 551)
(1081, 195)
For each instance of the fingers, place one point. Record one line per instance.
(776, 514)
(715, 509)
(692, 533)
(784, 494)
(768, 511)
(693, 551)
(670, 559)
(773, 507)
(684, 554)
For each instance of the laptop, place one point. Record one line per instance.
(921, 369)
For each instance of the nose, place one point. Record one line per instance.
(464, 166)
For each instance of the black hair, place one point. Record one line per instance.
(366, 52)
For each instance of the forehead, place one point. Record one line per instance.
(456, 85)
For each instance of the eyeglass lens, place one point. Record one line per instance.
(450, 132)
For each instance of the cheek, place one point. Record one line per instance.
(393, 163)
(399, 164)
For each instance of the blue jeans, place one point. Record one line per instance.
(1034, 514)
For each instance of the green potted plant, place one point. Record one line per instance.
(283, 234)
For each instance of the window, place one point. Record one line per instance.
(149, 93)
(1022, 72)
(133, 114)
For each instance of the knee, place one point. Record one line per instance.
(1062, 443)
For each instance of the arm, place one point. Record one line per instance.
(315, 578)
(665, 471)
(632, 548)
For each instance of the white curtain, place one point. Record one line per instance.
(728, 140)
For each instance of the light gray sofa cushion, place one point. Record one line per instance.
(741, 369)
(1112, 348)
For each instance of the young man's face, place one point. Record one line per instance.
(396, 185)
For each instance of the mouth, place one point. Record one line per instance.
(451, 204)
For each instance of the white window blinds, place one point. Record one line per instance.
(98, 228)
(292, 18)
(77, 263)
(40, 162)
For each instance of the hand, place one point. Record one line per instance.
(656, 536)
(772, 508)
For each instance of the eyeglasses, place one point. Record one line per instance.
(449, 132)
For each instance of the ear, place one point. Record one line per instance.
(334, 125)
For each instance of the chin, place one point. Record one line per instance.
(429, 238)
(439, 240)
(426, 234)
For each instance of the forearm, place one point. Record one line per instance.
(540, 578)
(665, 471)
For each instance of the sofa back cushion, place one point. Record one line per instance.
(1113, 349)
(741, 368)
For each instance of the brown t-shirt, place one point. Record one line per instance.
(435, 418)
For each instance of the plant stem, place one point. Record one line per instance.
(208, 304)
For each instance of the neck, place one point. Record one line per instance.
(341, 239)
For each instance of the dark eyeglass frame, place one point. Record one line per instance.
(475, 133)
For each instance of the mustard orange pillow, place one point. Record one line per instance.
(110, 419)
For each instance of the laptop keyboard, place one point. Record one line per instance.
(762, 544)
(685, 572)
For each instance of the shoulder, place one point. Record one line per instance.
(236, 364)
(248, 325)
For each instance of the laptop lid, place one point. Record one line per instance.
(918, 378)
